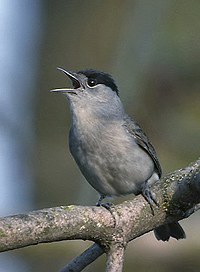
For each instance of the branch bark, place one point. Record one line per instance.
(115, 258)
(178, 195)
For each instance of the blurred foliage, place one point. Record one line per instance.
(152, 50)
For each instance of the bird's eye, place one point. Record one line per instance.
(92, 82)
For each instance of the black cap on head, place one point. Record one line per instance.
(100, 78)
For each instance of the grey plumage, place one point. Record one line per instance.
(111, 150)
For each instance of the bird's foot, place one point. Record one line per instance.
(107, 206)
(100, 199)
(146, 192)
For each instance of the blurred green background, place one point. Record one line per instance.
(152, 49)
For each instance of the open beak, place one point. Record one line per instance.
(75, 82)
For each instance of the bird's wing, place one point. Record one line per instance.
(142, 140)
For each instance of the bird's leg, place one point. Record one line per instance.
(146, 192)
(105, 205)
(100, 199)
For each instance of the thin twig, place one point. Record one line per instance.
(84, 259)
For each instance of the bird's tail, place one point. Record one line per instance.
(172, 229)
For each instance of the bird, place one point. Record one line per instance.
(111, 150)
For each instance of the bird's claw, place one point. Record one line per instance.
(146, 192)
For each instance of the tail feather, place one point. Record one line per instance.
(169, 230)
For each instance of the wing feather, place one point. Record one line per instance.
(142, 140)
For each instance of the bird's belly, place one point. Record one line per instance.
(112, 166)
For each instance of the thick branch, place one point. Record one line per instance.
(178, 195)
(54, 224)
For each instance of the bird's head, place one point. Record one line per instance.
(92, 89)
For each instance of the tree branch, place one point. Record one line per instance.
(84, 259)
(178, 195)
(115, 258)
